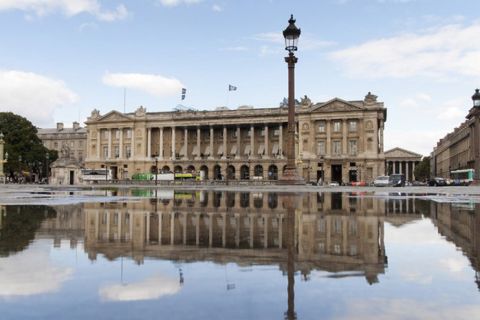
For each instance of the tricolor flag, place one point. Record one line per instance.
(184, 92)
(232, 88)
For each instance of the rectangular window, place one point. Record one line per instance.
(105, 152)
(105, 134)
(321, 126)
(128, 151)
(337, 126)
(80, 144)
(117, 134)
(352, 147)
(352, 125)
(117, 151)
(321, 148)
(337, 148)
(80, 156)
(72, 144)
(129, 133)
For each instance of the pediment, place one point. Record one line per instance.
(401, 153)
(336, 105)
(114, 116)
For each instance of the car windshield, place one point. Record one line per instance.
(382, 178)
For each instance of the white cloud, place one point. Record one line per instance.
(174, 3)
(67, 7)
(148, 289)
(20, 277)
(153, 84)
(454, 265)
(237, 48)
(217, 8)
(33, 96)
(440, 52)
(419, 100)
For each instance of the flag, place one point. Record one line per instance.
(184, 92)
(232, 88)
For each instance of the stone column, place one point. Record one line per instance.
(280, 140)
(160, 150)
(413, 170)
(149, 143)
(132, 143)
(329, 138)
(400, 165)
(211, 156)
(120, 144)
(252, 141)
(406, 170)
(109, 156)
(381, 136)
(267, 152)
(173, 143)
(99, 144)
(344, 137)
(185, 142)
(237, 154)
(225, 153)
(199, 145)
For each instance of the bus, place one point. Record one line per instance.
(462, 177)
(95, 175)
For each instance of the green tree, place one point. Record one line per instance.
(422, 170)
(25, 150)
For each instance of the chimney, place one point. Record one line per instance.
(76, 125)
(59, 126)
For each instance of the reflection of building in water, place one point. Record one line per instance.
(334, 232)
(460, 225)
(401, 209)
(68, 224)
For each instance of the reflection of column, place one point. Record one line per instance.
(290, 239)
(184, 229)
(265, 231)
(197, 229)
(224, 229)
(97, 224)
(237, 230)
(251, 220)
(280, 231)
(172, 228)
(210, 230)
(160, 216)
(147, 233)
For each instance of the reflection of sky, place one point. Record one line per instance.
(426, 278)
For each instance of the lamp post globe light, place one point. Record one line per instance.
(476, 98)
(291, 35)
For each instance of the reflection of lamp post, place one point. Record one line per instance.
(291, 35)
(156, 169)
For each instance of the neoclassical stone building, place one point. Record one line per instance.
(59, 138)
(337, 140)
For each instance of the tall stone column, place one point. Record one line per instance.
(267, 149)
(329, 138)
(237, 154)
(413, 170)
(211, 156)
(160, 150)
(149, 143)
(225, 152)
(173, 143)
(132, 144)
(120, 144)
(280, 139)
(381, 136)
(344, 137)
(185, 142)
(99, 144)
(406, 170)
(252, 141)
(109, 144)
(199, 145)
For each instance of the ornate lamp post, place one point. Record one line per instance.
(291, 35)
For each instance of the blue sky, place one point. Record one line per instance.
(60, 59)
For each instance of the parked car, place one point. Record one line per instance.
(397, 180)
(437, 182)
(382, 181)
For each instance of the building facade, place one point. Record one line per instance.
(401, 161)
(60, 138)
(337, 140)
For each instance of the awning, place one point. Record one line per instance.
(275, 148)
(207, 151)
(182, 151)
(220, 150)
(247, 149)
(195, 151)
(261, 148)
(234, 150)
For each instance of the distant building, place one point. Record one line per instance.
(74, 138)
(337, 140)
(401, 161)
(459, 149)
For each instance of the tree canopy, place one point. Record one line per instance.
(422, 170)
(25, 150)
